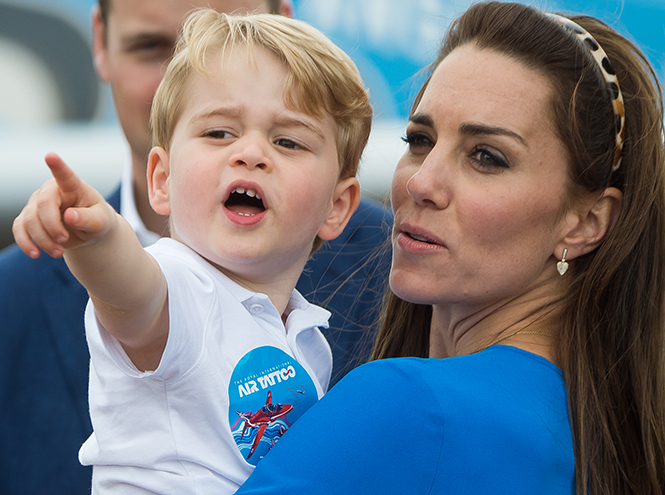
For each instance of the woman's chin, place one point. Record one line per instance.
(410, 288)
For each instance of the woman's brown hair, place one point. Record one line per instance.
(612, 323)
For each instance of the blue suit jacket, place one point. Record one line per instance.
(44, 358)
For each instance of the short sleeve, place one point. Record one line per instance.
(191, 300)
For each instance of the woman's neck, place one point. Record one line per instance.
(527, 321)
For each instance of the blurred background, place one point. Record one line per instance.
(51, 99)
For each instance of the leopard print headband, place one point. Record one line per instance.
(608, 73)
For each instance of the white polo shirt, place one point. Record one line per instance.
(231, 381)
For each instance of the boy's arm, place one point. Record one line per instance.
(127, 287)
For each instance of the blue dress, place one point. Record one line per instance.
(495, 422)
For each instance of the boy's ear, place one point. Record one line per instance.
(345, 202)
(158, 180)
(590, 225)
(99, 50)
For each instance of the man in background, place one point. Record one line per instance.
(43, 354)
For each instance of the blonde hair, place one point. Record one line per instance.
(321, 78)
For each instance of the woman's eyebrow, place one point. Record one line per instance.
(422, 119)
(473, 129)
(470, 128)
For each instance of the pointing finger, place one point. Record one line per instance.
(67, 180)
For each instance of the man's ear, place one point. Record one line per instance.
(591, 224)
(99, 48)
(345, 202)
(158, 180)
(286, 8)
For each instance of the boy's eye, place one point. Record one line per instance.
(288, 143)
(418, 142)
(487, 159)
(218, 134)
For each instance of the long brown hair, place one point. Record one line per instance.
(612, 347)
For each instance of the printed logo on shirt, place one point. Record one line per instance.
(268, 391)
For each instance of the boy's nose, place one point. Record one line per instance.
(251, 153)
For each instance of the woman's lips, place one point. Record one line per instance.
(416, 240)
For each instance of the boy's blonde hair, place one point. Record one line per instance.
(321, 77)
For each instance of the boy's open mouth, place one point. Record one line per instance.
(245, 202)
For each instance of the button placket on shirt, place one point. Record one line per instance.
(256, 309)
(261, 308)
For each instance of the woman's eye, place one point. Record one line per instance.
(418, 142)
(488, 159)
(288, 143)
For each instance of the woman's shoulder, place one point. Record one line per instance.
(501, 407)
(498, 378)
(495, 362)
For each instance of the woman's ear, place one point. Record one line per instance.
(345, 202)
(590, 224)
(158, 180)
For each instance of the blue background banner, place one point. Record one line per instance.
(391, 40)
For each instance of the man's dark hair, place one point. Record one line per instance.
(105, 6)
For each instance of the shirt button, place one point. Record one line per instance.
(256, 309)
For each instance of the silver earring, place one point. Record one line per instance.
(562, 265)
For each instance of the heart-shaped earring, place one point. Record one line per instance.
(562, 265)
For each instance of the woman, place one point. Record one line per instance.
(529, 252)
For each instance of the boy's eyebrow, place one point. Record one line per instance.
(229, 111)
(289, 121)
(470, 128)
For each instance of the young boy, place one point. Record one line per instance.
(203, 354)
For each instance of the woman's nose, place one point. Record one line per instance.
(427, 186)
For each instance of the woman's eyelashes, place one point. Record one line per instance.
(419, 142)
(486, 158)
(483, 157)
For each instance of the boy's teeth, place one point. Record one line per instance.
(249, 192)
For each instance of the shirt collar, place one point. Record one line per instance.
(128, 208)
(300, 313)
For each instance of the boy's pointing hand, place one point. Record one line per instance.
(64, 213)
